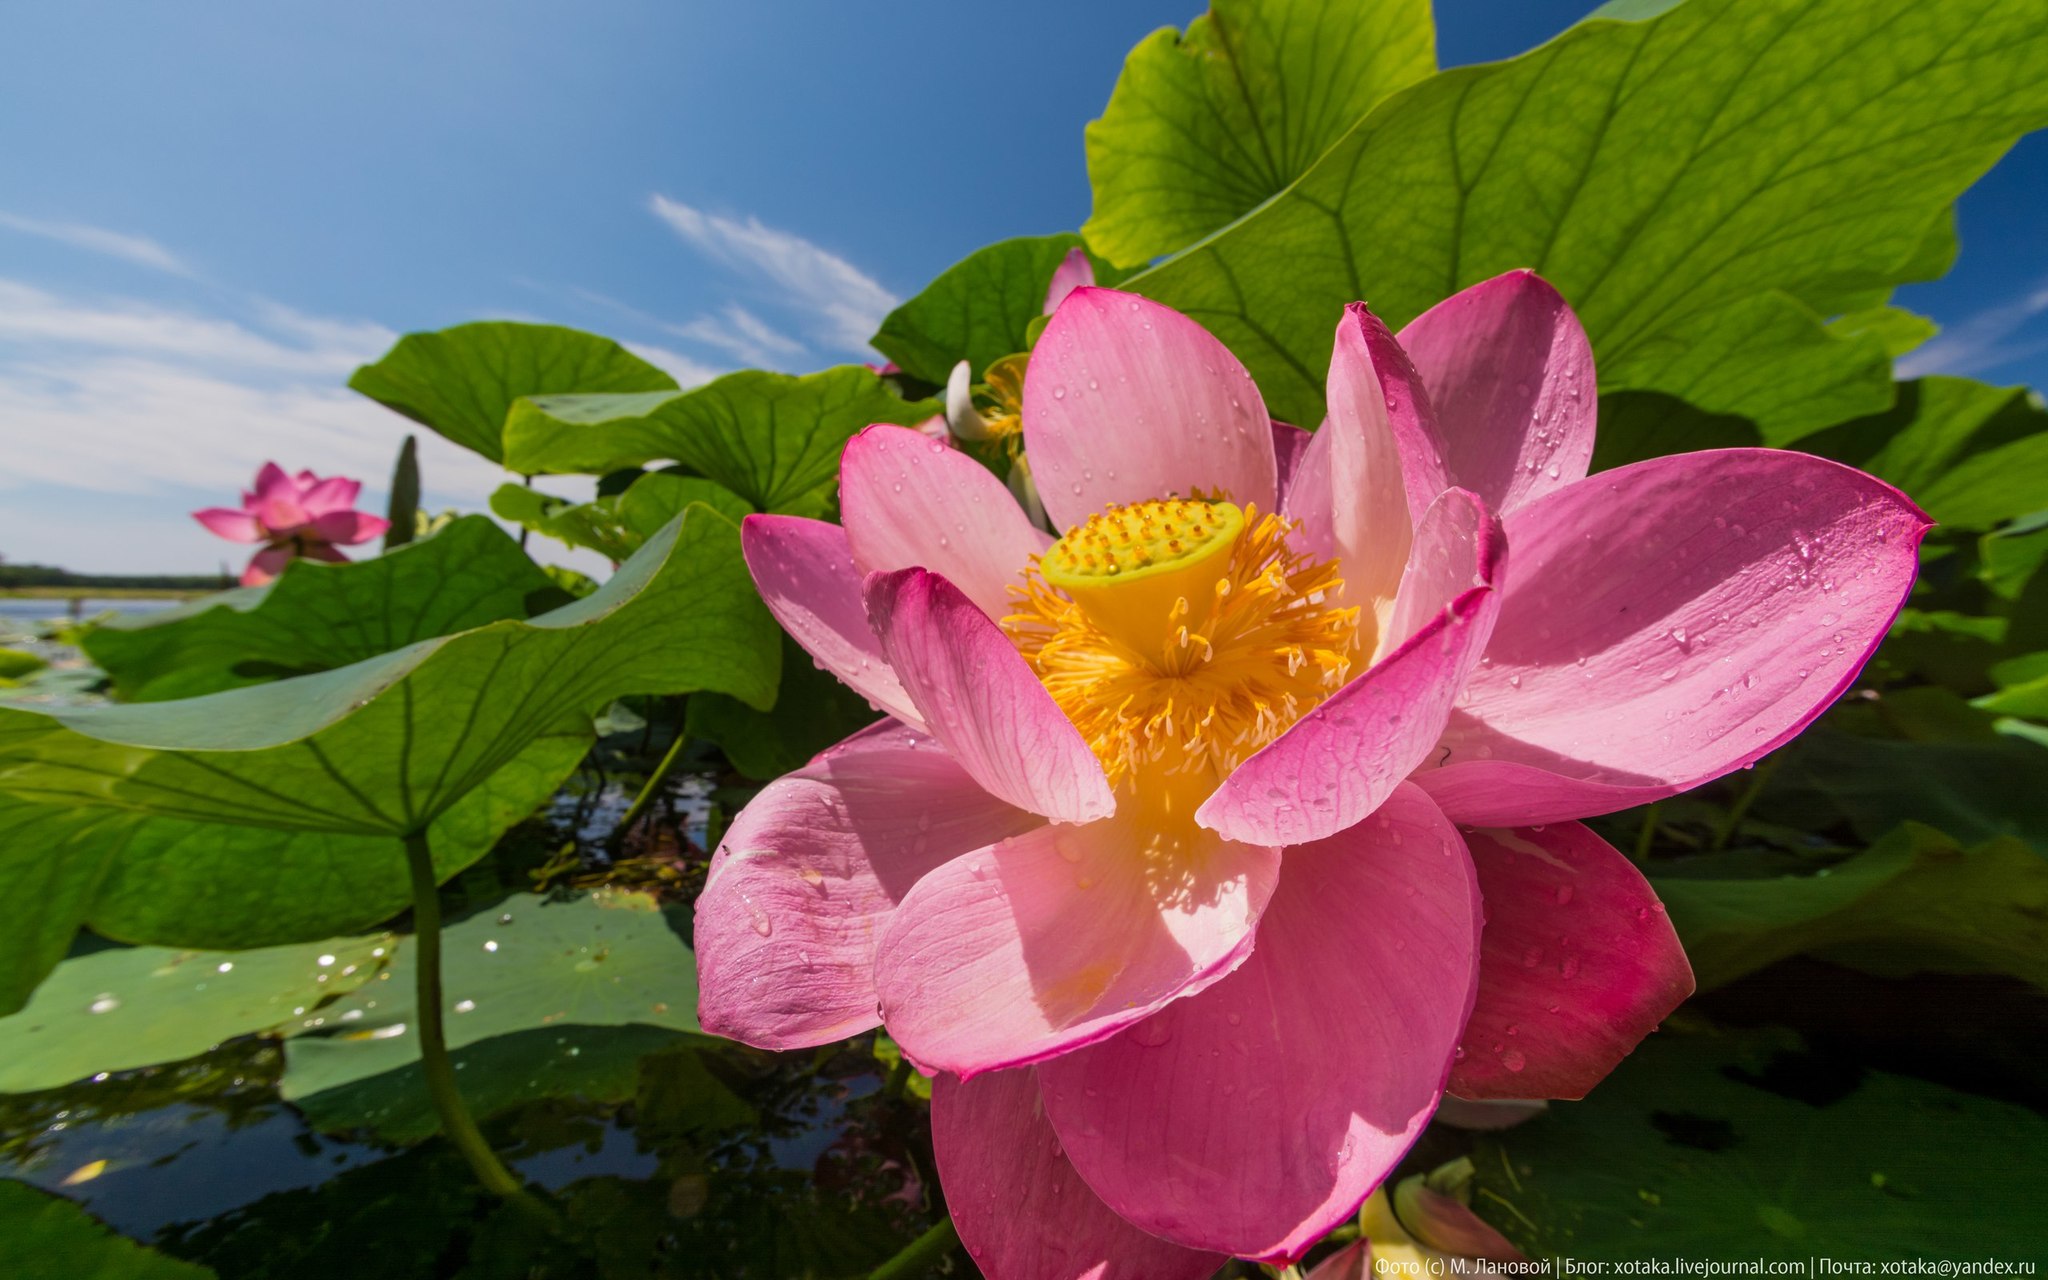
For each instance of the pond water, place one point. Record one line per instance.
(40, 609)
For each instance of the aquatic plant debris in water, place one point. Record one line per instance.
(1159, 792)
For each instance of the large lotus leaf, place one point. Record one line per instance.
(16, 663)
(462, 381)
(317, 616)
(1727, 1147)
(1635, 425)
(2011, 557)
(813, 710)
(127, 1007)
(1703, 186)
(1915, 901)
(1898, 329)
(657, 497)
(615, 525)
(42, 1235)
(1972, 454)
(526, 965)
(187, 884)
(1973, 787)
(772, 438)
(385, 746)
(594, 526)
(979, 309)
(1203, 127)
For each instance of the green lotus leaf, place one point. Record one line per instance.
(556, 970)
(659, 496)
(275, 813)
(813, 710)
(1898, 329)
(1705, 186)
(1748, 1147)
(127, 1007)
(1914, 902)
(619, 524)
(16, 663)
(317, 617)
(1975, 784)
(462, 381)
(38, 1229)
(1972, 454)
(594, 526)
(979, 309)
(772, 438)
(1203, 127)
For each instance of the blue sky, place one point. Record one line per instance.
(211, 213)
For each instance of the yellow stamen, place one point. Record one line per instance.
(1178, 653)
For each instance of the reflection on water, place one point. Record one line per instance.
(766, 1165)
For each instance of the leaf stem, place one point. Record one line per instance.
(920, 1254)
(1736, 812)
(456, 1121)
(1648, 835)
(647, 792)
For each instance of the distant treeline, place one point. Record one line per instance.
(42, 575)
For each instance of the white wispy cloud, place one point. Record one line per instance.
(743, 335)
(1984, 341)
(845, 303)
(32, 317)
(139, 250)
(686, 371)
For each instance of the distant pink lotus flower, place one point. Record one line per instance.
(293, 516)
(1170, 860)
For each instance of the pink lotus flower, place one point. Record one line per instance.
(1170, 860)
(293, 516)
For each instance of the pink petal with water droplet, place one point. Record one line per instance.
(1020, 1209)
(980, 698)
(1254, 1117)
(804, 569)
(1126, 400)
(808, 875)
(1372, 470)
(1667, 622)
(1060, 937)
(908, 501)
(1510, 375)
(1578, 964)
